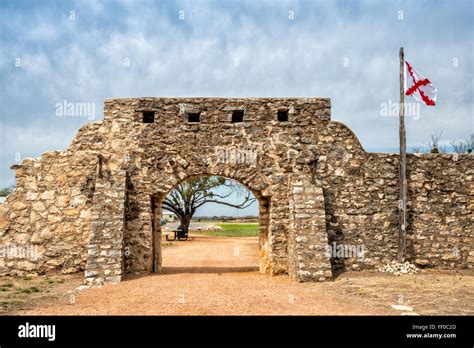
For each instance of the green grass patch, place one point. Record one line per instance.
(30, 290)
(11, 302)
(27, 278)
(7, 285)
(52, 281)
(233, 230)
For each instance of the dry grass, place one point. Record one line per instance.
(18, 293)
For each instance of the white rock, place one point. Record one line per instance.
(401, 307)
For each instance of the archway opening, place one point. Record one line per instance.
(210, 224)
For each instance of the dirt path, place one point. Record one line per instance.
(219, 276)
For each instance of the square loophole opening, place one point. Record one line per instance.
(148, 116)
(282, 115)
(237, 116)
(194, 117)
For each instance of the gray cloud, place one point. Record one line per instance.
(83, 60)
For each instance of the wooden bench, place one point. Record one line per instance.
(178, 234)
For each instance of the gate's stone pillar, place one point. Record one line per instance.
(105, 250)
(278, 234)
(307, 240)
(264, 258)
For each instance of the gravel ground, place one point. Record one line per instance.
(219, 276)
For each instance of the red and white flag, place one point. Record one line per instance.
(418, 86)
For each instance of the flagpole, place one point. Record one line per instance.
(402, 203)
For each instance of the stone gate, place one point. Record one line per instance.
(95, 207)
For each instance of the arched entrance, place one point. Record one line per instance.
(144, 249)
(156, 207)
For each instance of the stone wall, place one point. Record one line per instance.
(362, 208)
(91, 205)
(48, 215)
(106, 240)
(441, 214)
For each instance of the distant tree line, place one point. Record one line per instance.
(433, 145)
(6, 190)
(225, 217)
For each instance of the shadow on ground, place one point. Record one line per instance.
(176, 270)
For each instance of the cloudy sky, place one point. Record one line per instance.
(86, 51)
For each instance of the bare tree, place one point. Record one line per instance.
(433, 143)
(417, 149)
(192, 194)
(458, 146)
(463, 145)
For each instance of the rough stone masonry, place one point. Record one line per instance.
(95, 207)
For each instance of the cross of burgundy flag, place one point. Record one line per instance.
(418, 86)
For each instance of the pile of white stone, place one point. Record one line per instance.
(209, 228)
(213, 228)
(398, 268)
